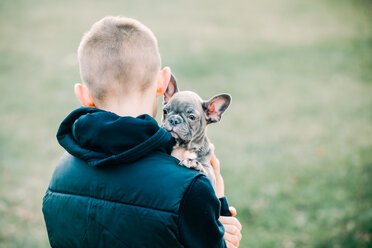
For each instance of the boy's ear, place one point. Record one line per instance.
(163, 81)
(84, 96)
(171, 89)
(215, 107)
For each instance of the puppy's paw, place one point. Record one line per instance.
(192, 164)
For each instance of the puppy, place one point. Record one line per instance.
(186, 116)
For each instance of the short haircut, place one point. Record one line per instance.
(116, 56)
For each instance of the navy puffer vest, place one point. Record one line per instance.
(108, 186)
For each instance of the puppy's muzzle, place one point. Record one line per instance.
(174, 121)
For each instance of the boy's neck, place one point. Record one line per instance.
(131, 106)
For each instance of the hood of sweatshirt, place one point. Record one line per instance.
(104, 138)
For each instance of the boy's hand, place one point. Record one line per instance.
(232, 229)
(231, 224)
(220, 188)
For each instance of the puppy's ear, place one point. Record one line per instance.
(215, 107)
(171, 89)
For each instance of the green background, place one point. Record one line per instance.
(295, 145)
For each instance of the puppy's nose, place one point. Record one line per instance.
(174, 120)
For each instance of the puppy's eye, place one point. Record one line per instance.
(165, 111)
(192, 117)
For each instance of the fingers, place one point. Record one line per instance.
(230, 245)
(233, 230)
(232, 211)
(230, 221)
(233, 239)
(232, 234)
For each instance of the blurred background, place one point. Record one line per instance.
(295, 145)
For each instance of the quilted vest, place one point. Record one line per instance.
(133, 205)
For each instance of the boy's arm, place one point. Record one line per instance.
(199, 214)
(231, 224)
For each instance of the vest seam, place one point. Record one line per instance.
(113, 201)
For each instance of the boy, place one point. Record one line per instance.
(118, 186)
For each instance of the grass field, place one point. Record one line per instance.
(295, 146)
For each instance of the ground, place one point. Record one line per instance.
(295, 145)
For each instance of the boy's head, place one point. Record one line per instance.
(119, 59)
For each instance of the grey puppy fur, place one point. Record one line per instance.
(186, 116)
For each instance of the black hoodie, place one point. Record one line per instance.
(118, 186)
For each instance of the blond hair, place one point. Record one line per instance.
(116, 56)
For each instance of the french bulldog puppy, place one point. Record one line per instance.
(186, 116)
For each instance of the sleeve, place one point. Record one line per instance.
(225, 211)
(199, 213)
